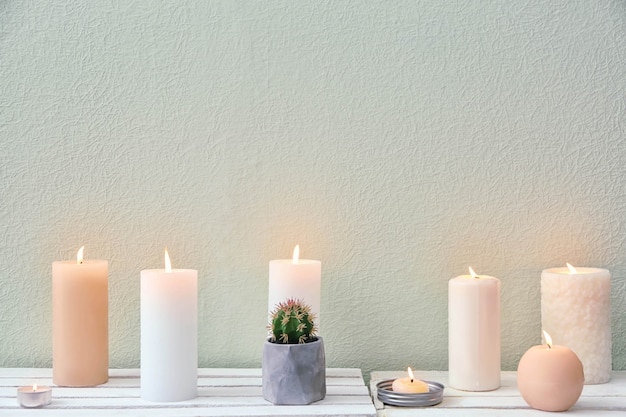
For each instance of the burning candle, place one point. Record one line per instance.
(33, 397)
(296, 278)
(169, 333)
(409, 385)
(576, 311)
(550, 377)
(80, 321)
(474, 332)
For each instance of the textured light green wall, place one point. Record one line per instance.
(398, 142)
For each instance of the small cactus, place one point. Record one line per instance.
(292, 322)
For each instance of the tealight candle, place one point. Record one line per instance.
(409, 385)
(550, 377)
(33, 397)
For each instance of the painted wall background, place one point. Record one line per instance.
(398, 142)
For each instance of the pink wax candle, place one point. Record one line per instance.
(80, 322)
(550, 377)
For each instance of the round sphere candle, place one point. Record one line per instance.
(169, 334)
(550, 377)
(576, 311)
(296, 278)
(474, 332)
(409, 385)
(80, 322)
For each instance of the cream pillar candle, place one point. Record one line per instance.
(474, 332)
(80, 322)
(576, 311)
(169, 334)
(296, 278)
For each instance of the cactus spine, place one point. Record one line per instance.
(292, 322)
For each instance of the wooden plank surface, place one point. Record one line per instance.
(602, 400)
(221, 392)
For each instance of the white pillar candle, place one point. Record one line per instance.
(576, 311)
(296, 278)
(169, 334)
(80, 322)
(474, 332)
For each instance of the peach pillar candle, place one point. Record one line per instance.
(576, 311)
(80, 321)
(409, 385)
(550, 377)
(474, 332)
(169, 334)
(296, 278)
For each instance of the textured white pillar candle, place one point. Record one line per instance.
(169, 334)
(576, 311)
(474, 332)
(296, 278)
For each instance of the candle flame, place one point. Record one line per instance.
(34, 387)
(79, 255)
(168, 264)
(410, 371)
(472, 273)
(572, 270)
(296, 254)
(547, 338)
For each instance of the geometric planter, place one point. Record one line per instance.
(294, 374)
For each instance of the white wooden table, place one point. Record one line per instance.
(221, 392)
(602, 400)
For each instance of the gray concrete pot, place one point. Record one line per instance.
(294, 374)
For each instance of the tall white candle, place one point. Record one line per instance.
(296, 278)
(474, 332)
(576, 311)
(169, 334)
